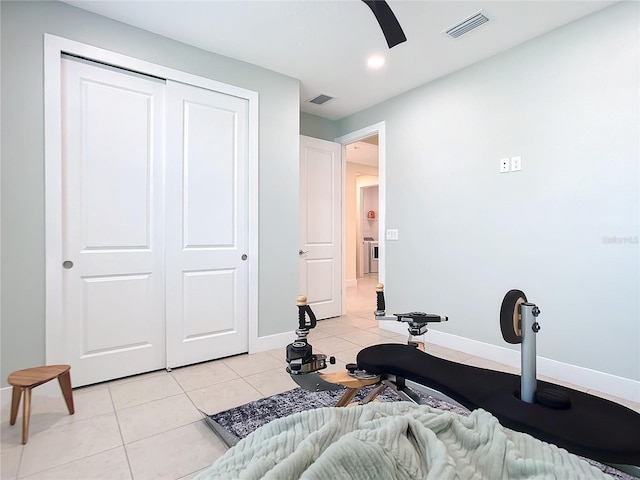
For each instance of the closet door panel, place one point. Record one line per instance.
(207, 224)
(112, 277)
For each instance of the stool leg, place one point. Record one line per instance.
(65, 386)
(26, 413)
(374, 393)
(346, 398)
(15, 404)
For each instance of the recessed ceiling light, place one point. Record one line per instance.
(375, 62)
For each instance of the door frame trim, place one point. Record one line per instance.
(380, 129)
(54, 48)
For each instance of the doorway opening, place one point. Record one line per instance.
(362, 223)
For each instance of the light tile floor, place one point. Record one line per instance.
(149, 426)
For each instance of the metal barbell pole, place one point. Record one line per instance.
(529, 327)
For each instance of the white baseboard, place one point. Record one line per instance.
(260, 344)
(591, 379)
(271, 342)
(351, 282)
(584, 377)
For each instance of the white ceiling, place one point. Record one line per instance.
(363, 153)
(325, 43)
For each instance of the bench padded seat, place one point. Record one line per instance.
(592, 427)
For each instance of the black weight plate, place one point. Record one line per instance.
(510, 316)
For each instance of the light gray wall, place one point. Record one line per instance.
(318, 127)
(568, 103)
(23, 236)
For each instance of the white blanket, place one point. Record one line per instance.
(394, 441)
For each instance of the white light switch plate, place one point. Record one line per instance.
(504, 165)
(516, 164)
(392, 234)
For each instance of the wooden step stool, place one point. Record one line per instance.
(25, 380)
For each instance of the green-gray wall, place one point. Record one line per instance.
(569, 103)
(318, 127)
(23, 235)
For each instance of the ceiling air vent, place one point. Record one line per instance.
(320, 99)
(468, 24)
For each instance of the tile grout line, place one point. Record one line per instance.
(202, 414)
(39, 472)
(124, 446)
(19, 462)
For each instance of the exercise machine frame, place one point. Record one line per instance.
(519, 409)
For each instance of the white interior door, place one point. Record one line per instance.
(207, 224)
(321, 225)
(112, 279)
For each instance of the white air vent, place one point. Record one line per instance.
(468, 24)
(320, 99)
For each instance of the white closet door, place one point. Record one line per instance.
(207, 224)
(112, 307)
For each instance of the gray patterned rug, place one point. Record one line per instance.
(235, 424)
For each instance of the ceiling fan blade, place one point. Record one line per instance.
(388, 22)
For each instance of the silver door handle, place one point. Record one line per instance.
(67, 264)
(302, 252)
